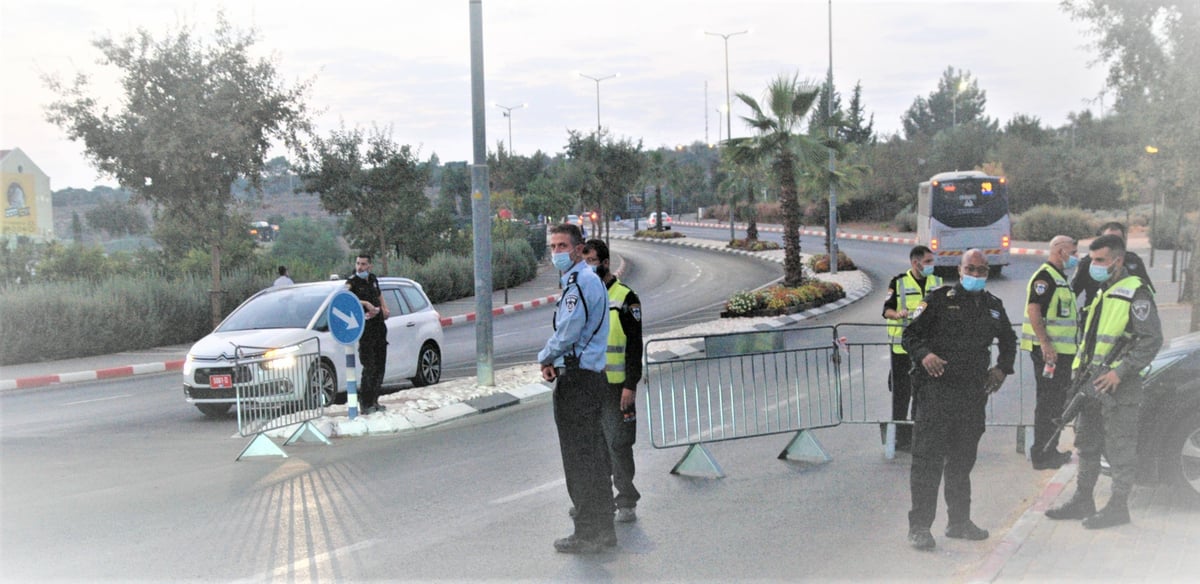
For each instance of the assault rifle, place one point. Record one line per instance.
(1083, 391)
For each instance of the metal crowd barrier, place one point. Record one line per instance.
(792, 380)
(746, 385)
(277, 388)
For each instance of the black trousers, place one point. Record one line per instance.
(1051, 397)
(620, 435)
(579, 395)
(901, 385)
(949, 423)
(372, 351)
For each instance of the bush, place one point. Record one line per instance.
(1043, 222)
(753, 244)
(1168, 235)
(905, 221)
(820, 263)
(664, 234)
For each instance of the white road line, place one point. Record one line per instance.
(302, 565)
(528, 492)
(88, 401)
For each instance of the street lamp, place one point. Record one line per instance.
(598, 80)
(728, 108)
(962, 85)
(1151, 151)
(508, 114)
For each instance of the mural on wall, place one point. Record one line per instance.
(20, 204)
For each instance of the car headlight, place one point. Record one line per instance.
(284, 358)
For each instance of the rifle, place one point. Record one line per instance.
(1084, 391)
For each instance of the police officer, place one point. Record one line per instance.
(1123, 312)
(574, 357)
(1048, 333)
(1083, 283)
(905, 292)
(950, 341)
(372, 346)
(624, 370)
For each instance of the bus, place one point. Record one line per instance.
(957, 211)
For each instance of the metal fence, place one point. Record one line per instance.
(277, 388)
(790, 380)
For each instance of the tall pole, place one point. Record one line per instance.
(508, 114)
(481, 204)
(832, 235)
(728, 106)
(706, 142)
(598, 80)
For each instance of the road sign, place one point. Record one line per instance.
(346, 318)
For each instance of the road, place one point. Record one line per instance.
(120, 480)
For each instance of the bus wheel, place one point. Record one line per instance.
(994, 271)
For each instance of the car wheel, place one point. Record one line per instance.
(322, 385)
(1183, 455)
(429, 366)
(214, 410)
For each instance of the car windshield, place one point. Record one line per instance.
(1161, 363)
(287, 308)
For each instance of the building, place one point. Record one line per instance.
(28, 209)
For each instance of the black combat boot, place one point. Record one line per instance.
(1116, 512)
(1081, 506)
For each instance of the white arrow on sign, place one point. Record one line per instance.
(351, 322)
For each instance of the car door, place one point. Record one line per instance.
(402, 337)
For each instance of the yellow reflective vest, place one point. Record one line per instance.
(1112, 323)
(614, 366)
(908, 296)
(1060, 317)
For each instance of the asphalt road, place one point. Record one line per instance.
(119, 480)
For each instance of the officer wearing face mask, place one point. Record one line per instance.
(905, 292)
(949, 341)
(1048, 333)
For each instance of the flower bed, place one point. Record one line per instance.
(820, 263)
(753, 244)
(664, 234)
(780, 300)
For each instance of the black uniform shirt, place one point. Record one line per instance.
(959, 326)
(369, 291)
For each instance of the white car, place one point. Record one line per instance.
(653, 219)
(283, 317)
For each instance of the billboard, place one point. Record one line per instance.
(20, 204)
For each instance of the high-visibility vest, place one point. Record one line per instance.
(1060, 317)
(908, 297)
(1112, 323)
(614, 366)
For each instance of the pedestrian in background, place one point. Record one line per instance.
(574, 358)
(372, 346)
(905, 293)
(284, 279)
(624, 370)
(1122, 313)
(1049, 334)
(950, 338)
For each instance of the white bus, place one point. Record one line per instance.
(957, 211)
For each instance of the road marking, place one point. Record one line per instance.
(528, 492)
(99, 399)
(302, 566)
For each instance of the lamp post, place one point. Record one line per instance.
(962, 84)
(508, 114)
(728, 109)
(1151, 151)
(598, 80)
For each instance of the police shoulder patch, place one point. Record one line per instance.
(636, 311)
(920, 308)
(571, 301)
(891, 293)
(995, 314)
(1141, 309)
(1039, 287)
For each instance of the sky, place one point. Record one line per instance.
(405, 64)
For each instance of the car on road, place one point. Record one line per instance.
(652, 220)
(1169, 428)
(281, 318)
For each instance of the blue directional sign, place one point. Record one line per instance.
(346, 318)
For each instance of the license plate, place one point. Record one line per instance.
(224, 381)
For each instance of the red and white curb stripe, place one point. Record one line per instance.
(109, 373)
(509, 309)
(855, 236)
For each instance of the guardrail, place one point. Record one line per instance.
(279, 387)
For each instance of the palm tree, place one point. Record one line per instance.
(741, 183)
(782, 145)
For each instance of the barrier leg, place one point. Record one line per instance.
(804, 447)
(1025, 441)
(261, 446)
(698, 461)
(889, 441)
(307, 432)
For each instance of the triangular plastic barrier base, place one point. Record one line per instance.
(261, 446)
(804, 447)
(307, 432)
(698, 461)
(889, 441)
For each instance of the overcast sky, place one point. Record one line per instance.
(406, 63)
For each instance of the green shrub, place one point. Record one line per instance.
(664, 234)
(753, 244)
(1043, 222)
(1167, 234)
(905, 221)
(820, 262)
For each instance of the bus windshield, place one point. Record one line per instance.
(970, 202)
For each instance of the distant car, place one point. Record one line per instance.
(283, 317)
(652, 220)
(577, 220)
(1169, 428)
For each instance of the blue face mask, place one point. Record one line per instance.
(562, 261)
(1072, 262)
(973, 283)
(1099, 273)
(362, 275)
(927, 270)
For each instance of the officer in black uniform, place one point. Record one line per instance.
(949, 341)
(1083, 283)
(372, 346)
